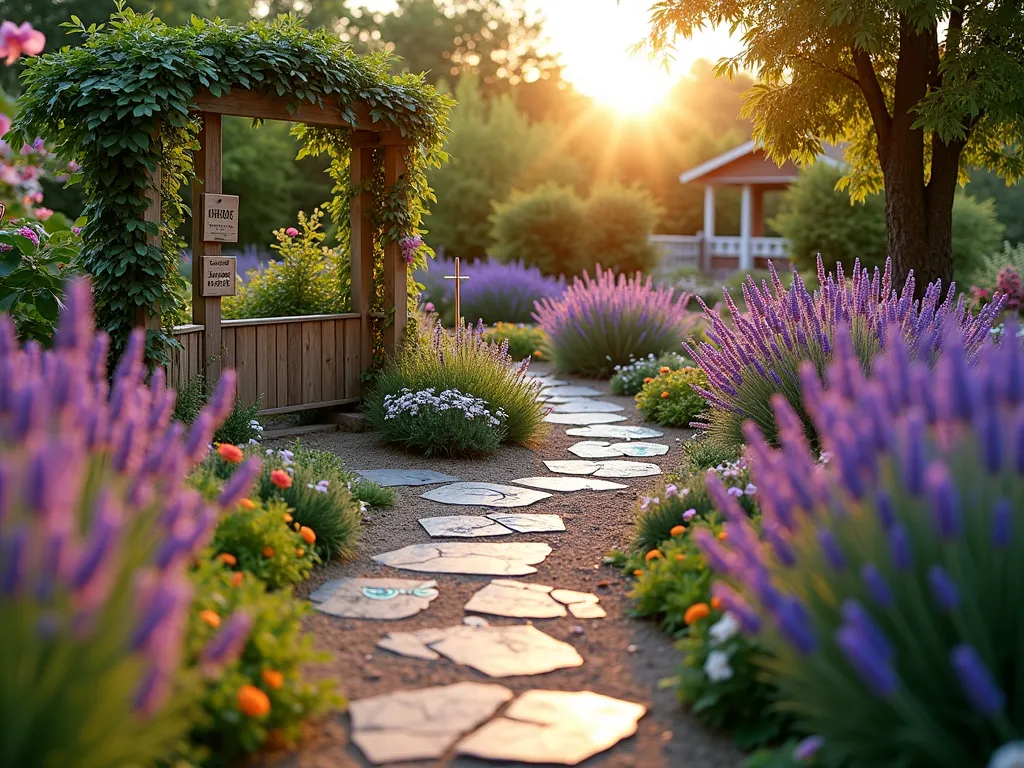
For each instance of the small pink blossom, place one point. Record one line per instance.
(42, 213)
(689, 514)
(737, 492)
(16, 40)
(74, 167)
(428, 307)
(76, 230)
(28, 173)
(5, 123)
(292, 232)
(4, 247)
(29, 233)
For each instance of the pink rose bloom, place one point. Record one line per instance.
(428, 307)
(16, 40)
(9, 175)
(5, 123)
(291, 232)
(29, 173)
(42, 213)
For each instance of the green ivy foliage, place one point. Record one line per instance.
(121, 105)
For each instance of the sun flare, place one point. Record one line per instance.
(630, 86)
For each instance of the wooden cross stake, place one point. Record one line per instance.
(458, 277)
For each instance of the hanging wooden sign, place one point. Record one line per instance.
(220, 218)
(218, 275)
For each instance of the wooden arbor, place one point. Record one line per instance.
(298, 363)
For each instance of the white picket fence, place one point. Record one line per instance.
(685, 250)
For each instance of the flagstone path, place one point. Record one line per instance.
(572, 675)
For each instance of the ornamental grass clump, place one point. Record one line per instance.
(97, 530)
(606, 321)
(759, 354)
(464, 362)
(887, 583)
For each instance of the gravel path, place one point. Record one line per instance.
(624, 658)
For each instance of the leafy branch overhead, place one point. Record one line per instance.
(122, 104)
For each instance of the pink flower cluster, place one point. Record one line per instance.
(1008, 282)
(410, 246)
(16, 39)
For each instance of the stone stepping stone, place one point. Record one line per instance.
(422, 724)
(570, 391)
(556, 400)
(484, 495)
(554, 728)
(587, 405)
(583, 418)
(547, 382)
(516, 600)
(608, 468)
(399, 477)
(384, 599)
(599, 449)
(569, 484)
(496, 524)
(614, 431)
(508, 651)
(468, 557)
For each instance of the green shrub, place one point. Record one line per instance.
(324, 506)
(261, 542)
(817, 218)
(670, 400)
(702, 453)
(720, 682)
(986, 274)
(542, 228)
(630, 378)
(273, 661)
(523, 340)
(448, 422)
(619, 223)
(241, 427)
(309, 278)
(465, 362)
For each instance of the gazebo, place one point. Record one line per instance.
(750, 168)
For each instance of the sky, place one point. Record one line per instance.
(594, 37)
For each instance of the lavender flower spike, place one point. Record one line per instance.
(976, 680)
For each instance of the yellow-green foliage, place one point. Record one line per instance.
(669, 398)
(275, 645)
(308, 279)
(523, 340)
(263, 543)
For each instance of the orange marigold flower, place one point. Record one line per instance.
(268, 551)
(638, 572)
(296, 526)
(536, 353)
(648, 380)
(722, 536)
(696, 612)
(246, 504)
(273, 679)
(227, 558)
(252, 702)
(654, 554)
(307, 535)
(716, 603)
(287, 517)
(664, 369)
(210, 617)
(281, 479)
(665, 395)
(677, 530)
(236, 579)
(300, 552)
(230, 452)
(680, 557)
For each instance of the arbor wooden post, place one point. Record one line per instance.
(361, 249)
(144, 316)
(206, 310)
(396, 288)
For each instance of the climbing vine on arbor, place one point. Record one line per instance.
(121, 104)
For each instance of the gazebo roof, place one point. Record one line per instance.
(750, 164)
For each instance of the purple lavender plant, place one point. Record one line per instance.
(607, 321)
(887, 582)
(97, 528)
(760, 353)
(495, 291)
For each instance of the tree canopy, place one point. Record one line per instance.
(920, 90)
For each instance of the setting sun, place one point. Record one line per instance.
(629, 85)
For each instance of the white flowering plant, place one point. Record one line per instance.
(719, 683)
(449, 422)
